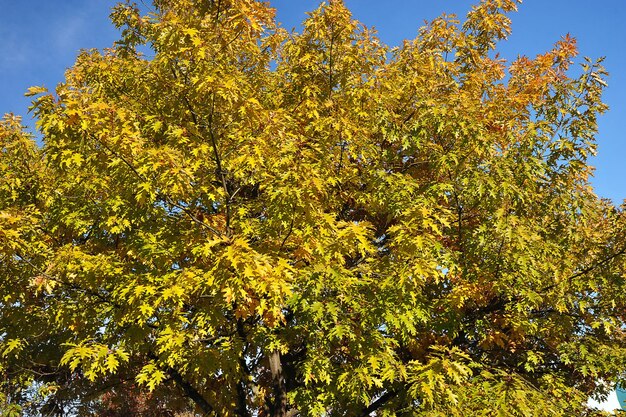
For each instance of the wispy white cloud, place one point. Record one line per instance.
(68, 31)
(15, 49)
(13, 54)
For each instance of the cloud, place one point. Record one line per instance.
(68, 31)
(14, 53)
(42, 42)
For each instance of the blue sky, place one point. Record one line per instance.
(39, 39)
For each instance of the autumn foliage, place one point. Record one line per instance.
(229, 219)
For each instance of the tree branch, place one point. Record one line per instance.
(375, 405)
(187, 388)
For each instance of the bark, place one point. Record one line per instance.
(278, 407)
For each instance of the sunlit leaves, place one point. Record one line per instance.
(150, 376)
(241, 220)
(94, 359)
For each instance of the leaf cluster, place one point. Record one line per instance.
(227, 218)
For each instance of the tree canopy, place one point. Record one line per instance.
(225, 218)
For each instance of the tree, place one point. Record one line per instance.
(235, 220)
